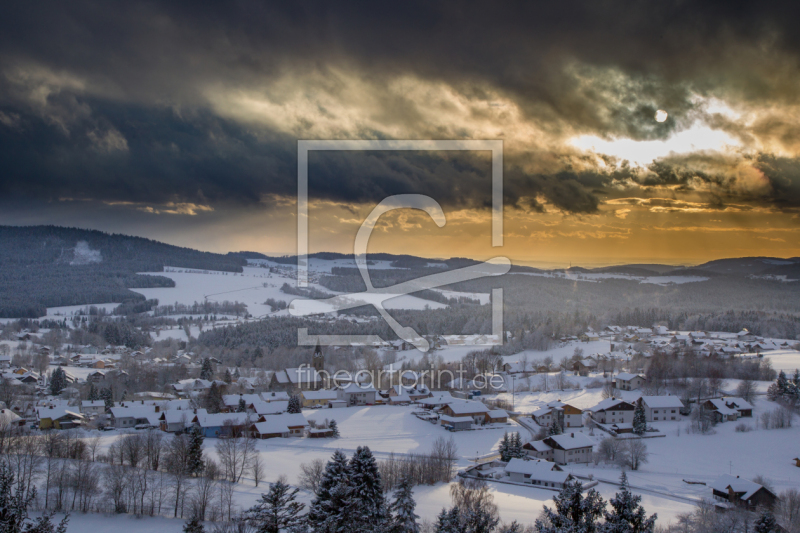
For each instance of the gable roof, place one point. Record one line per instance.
(625, 376)
(538, 469)
(745, 487)
(467, 407)
(665, 402)
(609, 403)
(569, 441)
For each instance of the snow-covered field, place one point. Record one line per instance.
(673, 458)
(786, 360)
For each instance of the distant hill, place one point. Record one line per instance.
(49, 266)
(747, 265)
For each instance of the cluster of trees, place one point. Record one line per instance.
(785, 390)
(511, 447)
(200, 308)
(626, 453)
(145, 473)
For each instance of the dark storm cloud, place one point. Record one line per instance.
(109, 101)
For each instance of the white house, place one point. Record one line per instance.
(537, 472)
(570, 448)
(355, 394)
(626, 381)
(613, 411)
(659, 408)
(93, 407)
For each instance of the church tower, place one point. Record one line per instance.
(318, 360)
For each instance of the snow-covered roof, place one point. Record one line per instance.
(219, 419)
(537, 469)
(740, 486)
(275, 396)
(8, 416)
(281, 423)
(665, 402)
(322, 394)
(538, 445)
(625, 376)
(571, 441)
(232, 400)
(467, 407)
(93, 403)
(608, 403)
(353, 388)
(497, 413)
(544, 411)
(270, 408)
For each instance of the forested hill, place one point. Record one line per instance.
(48, 266)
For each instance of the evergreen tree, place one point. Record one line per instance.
(294, 405)
(402, 508)
(555, 429)
(58, 381)
(194, 459)
(93, 394)
(369, 504)
(277, 510)
(107, 395)
(124, 395)
(479, 520)
(213, 399)
(449, 521)
(573, 511)
(242, 405)
(193, 526)
(626, 514)
(207, 371)
(766, 523)
(336, 472)
(513, 527)
(335, 428)
(14, 503)
(505, 444)
(516, 446)
(228, 378)
(639, 418)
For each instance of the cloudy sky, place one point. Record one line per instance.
(180, 122)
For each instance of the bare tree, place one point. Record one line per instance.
(235, 454)
(311, 474)
(787, 510)
(634, 454)
(608, 389)
(257, 468)
(746, 390)
(609, 449)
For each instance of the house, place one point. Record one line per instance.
(658, 408)
(496, 416)
(626, 381)
(465, 408)
(10, 419)
(302, 378)
(455, 422)
(175, 420)
(742, 492)
(728, 409)
(539, 450)
(221, 424)
(440, 399)
(355, 394)
(285, 425)
(567, 416)
(613, 410)
(231, 401)
(537, 472)
(277, 396)
(130, 416)
(268, 408)
(319, 398)
(93, 407)
(570, 448)
(62, 417)
(584, 366)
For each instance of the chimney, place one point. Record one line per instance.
(572, 435)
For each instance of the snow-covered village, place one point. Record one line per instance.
(399, 267)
